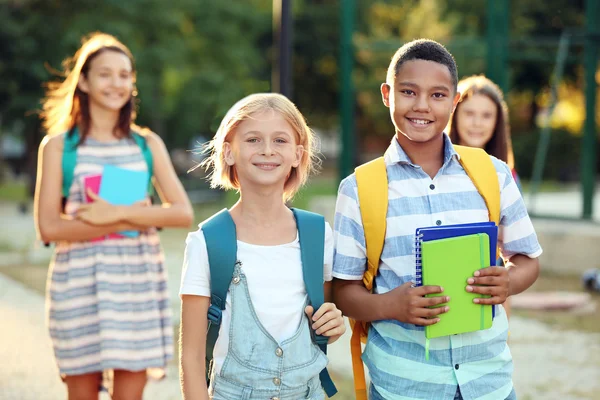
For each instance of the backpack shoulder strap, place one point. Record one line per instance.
(69, 160)
(311, 235)
(480, 168)
(147, 153)
(372, 183)
(221, 245)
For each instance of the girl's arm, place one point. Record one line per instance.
(192, 368)
(176, 209)
(52, 225)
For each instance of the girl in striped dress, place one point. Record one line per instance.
(107, 299)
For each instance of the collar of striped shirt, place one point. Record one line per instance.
(395, 154)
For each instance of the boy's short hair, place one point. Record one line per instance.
(422, 49)
(225, 176)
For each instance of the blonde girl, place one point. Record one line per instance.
(264, 150)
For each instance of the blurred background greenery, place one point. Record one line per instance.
(195, 58)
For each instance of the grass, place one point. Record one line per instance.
(33, 276)
(6, 247)
(547, 187)
(13, 191)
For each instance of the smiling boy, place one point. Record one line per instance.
(428, 186)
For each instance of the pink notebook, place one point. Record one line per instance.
(93, 182)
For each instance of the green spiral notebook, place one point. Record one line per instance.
(449, 263)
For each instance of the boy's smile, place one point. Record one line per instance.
(421, 101)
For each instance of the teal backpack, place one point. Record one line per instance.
(221, 244)
(69, 159)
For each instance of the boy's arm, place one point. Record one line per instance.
(519, 245)
(192, 368)
(523, 272)
(404, 303)
(357, 302)
(519, 273)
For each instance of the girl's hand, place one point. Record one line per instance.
(98, 212)
(327, 321)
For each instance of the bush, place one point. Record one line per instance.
(563, 158)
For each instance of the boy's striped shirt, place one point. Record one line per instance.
(480, 362)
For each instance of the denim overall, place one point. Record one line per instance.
(256, 366)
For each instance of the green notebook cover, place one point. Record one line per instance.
(449, 263)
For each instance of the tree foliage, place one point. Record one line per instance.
(195, 58)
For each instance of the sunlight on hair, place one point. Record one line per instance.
(224, 176)
(58, 106)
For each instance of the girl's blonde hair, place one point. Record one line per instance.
(500, 145)
(66, 106)
(224, 176)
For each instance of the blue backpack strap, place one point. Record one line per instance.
(221, 244)
(147, 153)
(311, 234)
(69, 160)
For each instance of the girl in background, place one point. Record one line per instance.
(107, 300)
(481, 120)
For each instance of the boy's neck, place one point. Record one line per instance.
(428, 155)
(102, 122)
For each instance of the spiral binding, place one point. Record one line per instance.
(418, 268)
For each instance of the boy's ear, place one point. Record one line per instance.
(82, 84)
(385, 94)
(228, 154)
(455, 101)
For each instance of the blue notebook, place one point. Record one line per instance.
(122, 186)
(449, 231)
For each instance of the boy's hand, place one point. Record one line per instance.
(327, 321)
(408, 304)
(494, 281)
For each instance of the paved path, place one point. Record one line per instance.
(27, 370)
(549, 363)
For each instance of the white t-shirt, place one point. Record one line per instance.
(275, 283)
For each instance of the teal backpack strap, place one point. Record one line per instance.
(311, 234)
(69, 160)
(147, 153)
(221, 245)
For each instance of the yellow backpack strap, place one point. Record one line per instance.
(371, 179)
(480, 168)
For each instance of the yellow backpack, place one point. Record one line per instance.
(372, 185)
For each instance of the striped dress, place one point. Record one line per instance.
(107, 301)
